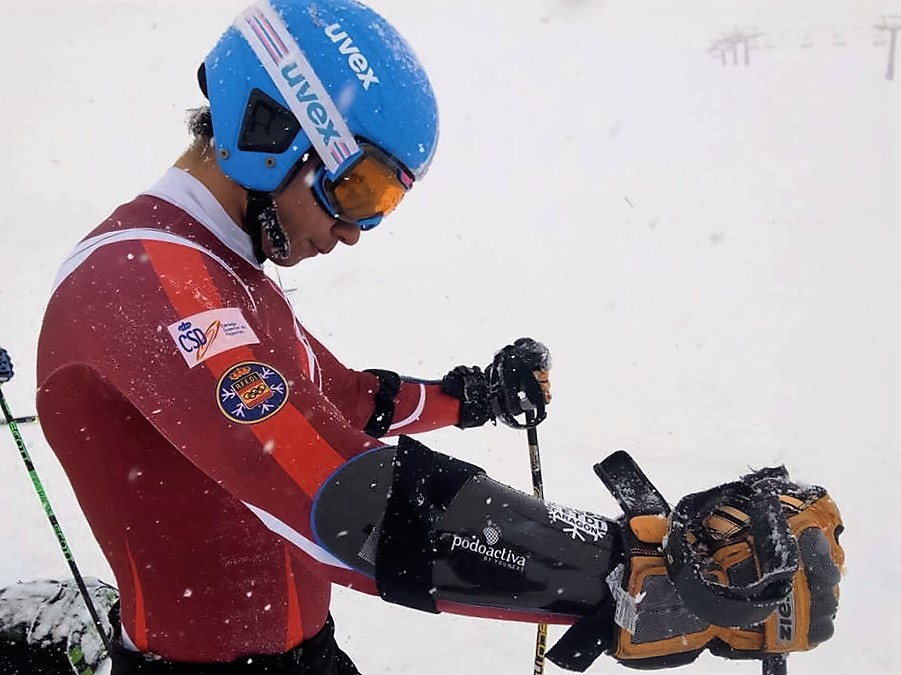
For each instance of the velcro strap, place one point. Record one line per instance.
(585, 640)
(593, 634)
(775, 551)
(383, 410)
(423, 486)
(634, 491)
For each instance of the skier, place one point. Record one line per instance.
(232, 469)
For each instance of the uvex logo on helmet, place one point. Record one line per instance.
(307, 96)
(355, 58)
(297, 81)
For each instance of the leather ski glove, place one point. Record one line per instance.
(515, 383)
(748, 570)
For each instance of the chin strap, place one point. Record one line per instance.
(262, 216)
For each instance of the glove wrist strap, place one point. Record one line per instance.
(775, 549)
(470, 387)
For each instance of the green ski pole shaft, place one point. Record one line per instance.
(57, 530)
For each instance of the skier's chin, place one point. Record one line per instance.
(297, 251)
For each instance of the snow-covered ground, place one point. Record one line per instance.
(711, 251)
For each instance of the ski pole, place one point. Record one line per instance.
(24, 419)
(775, 664)
(60, 538)
(538, 491)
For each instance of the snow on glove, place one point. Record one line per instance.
(747, 570)
(516, 382)
(6, 366)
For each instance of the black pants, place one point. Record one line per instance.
(320, 655)
(18, 657)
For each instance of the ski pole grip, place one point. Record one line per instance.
(6, 366)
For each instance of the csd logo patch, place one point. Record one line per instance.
(204, 335)
(251, 392)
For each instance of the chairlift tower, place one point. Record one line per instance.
(891, 25)
(730, 42)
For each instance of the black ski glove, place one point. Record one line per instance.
(514, 383)
(6, 366)
(748, 570)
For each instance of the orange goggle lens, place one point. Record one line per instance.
(371, 189)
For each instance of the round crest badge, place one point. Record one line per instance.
(250, 392)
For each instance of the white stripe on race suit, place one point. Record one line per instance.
(286, 532)
(83, 250)
(415, 414)
(315, 371)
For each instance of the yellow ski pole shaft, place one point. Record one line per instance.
(538, 491)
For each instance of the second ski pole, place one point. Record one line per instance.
(45, 502)
(538, 491)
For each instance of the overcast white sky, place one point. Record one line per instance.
(711, 252)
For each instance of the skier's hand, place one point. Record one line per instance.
(747, 570)
(518, 382)
(6, 366)
(515, 383)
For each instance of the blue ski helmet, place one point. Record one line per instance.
(291, 76)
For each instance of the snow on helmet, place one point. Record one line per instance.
(294, 75)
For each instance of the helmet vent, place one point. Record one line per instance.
(268, 126)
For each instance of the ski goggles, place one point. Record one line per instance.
(366, 192)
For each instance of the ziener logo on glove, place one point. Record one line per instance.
(786, 633)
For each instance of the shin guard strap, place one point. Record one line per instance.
(424, 484)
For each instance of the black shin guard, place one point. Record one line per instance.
(429, 528)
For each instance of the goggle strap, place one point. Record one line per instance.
(289, 69)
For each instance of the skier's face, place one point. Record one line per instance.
(309, 228)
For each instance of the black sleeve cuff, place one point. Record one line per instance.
(383, 410)
(470, 386)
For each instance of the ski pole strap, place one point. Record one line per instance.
(752, 506)
(513, 389)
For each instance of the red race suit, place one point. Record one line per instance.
(196, 419)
